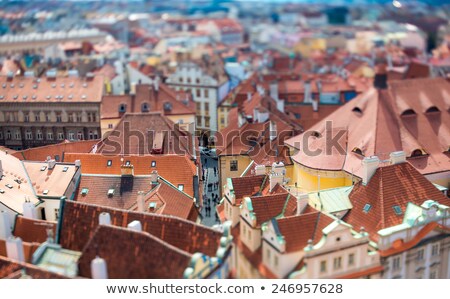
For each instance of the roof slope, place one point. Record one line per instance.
(390, 186)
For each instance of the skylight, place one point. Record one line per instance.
(367, 208)
(110, 192)
(153, 163)
(398, 210)
(65, 168)
(45, 192)
(84, 191)
(181, 187)
(43, 168)
(109, 163)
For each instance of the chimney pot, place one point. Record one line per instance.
(14, 249)
(397, 157)
(370, 166)
(51, 163)
(104, 219)
(154, 177)
(135, 225)
(99, 268)
(141, 201)
(5, 226)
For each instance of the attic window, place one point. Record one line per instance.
(408, 112)
(357, 110)
(9, 186)
(84, 191)
(127, 163)
(34, 97)
(122, 108)
(315, 134)
(65, 168)
(367, 208)
(397, 210)
(145, 107)
(24, 97)
(109, 163)
(417, 153)
(45, 192)
(43, 168)
(432, 109)
(153, 164)
(110, 192)
(181, 187)
(358, 151)
(2, 191)
(152, 206)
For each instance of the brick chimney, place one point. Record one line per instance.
(369, 167)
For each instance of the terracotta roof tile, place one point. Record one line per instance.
(12, 269)
(79, 222)
(32, 230)
(269, 206)
(393, 185)
(131, 254)
(60, 149)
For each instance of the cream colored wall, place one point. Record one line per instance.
(224, 164)
(186, 119)
(280, 264)
(105, 122)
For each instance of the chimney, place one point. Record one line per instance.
(249, 96)
(29, 210)
(380, 80)
(397, 157)
(260, 170)
(104, 218)
(154, 177)
(307, 92)
(273, 130)
(274, 90)
(315, 105)
(5, 226)
(277, 174)
(141, 201)
(14, 249)
(302, 202)
(1, 169)
(370, 166)
(135, 225)
(78, 163)
(99, 268)
(51, 163)
(127, 170)
(156, 84)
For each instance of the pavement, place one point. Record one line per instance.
(211, 196)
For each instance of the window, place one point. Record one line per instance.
(49, 135)
(323, 266)
(198, 107)
(435, 249)
(110, 126)
(37, 117)
(197, 80)
(58, 118)
(433, 275)
(207, 118)
(84, 191)
(351, 259)
(268, 254)
(122, 108)
(397, 210)
(206, 93)
(367, 208)
(79, 117)
(56, 213)
(8, 135)
(26, 117)
(233, 165)
(197, 93)
(396, 263)
(420, 255)
(109, 163)
(65, 168)
(28, 135)
(153, 164)
(199, 121)
(60, 135)
(71, 135)
(47, 117)
(1, 135)
(80, 136)
(145, 107)
(275, 261)
(181, 187)
(337, 263)
(70, 117)
(39, 135)
(207, 107)
(17, 135)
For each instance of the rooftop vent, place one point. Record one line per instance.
(51, 74)
(167, 106)
(45, 192)
(110, 192)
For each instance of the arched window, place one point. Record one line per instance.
(417, 153)
(432, 109)
(122, 108)
(145, 107)
(358, 151)
(408, 112)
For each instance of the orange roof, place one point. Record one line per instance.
(411, 115)
(55, 150)
(177, 169)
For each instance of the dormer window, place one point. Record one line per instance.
(357, 110)
(432, 109)
(110, 192)
(417, 153)
(122, 108)
(358, 151)
(408, 112)
(397, 210)
(109, 163)
(145, 107)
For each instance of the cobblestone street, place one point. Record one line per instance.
(211, 196)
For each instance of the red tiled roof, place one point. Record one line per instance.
(13, 269)
(177, 169)
(373, 122)
(268, 207)
(297, 230)
(247, 186)
(32, 230)
(133, 255)
(393, 185)
(79, 222)
(60, 149)
(152, 133)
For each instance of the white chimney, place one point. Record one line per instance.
(370, 166)
(260, 170)
(78, 163)
(273, 130)
(280, 105)
(397, 157)
(274, 90)
(29, 210)
(141, 201)
(135, 225)
(315, 105)
(277, 174)
(5, 226)
(51, 163)
(249, 96)
(14, 249)
(154, 177)
(99, 268)
(104, 219)
(156, 84)
(307, 91)
(302, 202)
(1, 169)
